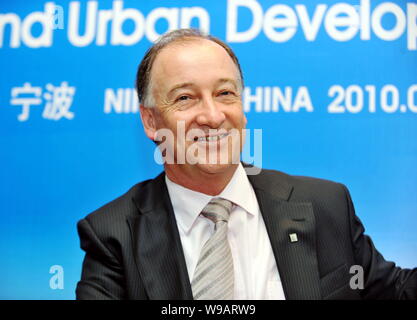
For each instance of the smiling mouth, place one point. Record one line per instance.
(211, 138)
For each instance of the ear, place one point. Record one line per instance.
(149, 122)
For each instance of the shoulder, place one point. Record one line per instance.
(330, 201)
(316, 186)
(265, 178)
(300, 188)
(112, 216)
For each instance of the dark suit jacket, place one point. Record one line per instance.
(133, 249)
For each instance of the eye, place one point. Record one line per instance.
(227, 93)
(183, 98)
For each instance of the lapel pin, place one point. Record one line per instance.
(293, 237)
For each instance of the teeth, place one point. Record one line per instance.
(212, 138)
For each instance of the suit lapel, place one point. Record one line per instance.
(159, 255)
(157, 246)
(297, 260)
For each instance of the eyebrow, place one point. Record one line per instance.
(180, 86)
(190, 84)
(228, 80)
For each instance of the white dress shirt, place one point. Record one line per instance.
(255, 269)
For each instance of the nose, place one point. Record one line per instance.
(211, 114)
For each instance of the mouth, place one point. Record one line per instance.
(213, 138)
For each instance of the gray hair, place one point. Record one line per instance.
(143, 87)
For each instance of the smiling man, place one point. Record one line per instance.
(204, 229)
(195, 83)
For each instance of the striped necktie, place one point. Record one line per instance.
(213, 276)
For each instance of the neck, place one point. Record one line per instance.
(210, 183)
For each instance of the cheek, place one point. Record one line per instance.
(159, 119)
(178, 122)
(238, 118)
(243, 117)
(166, 119)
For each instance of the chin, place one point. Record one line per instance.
(216, 168)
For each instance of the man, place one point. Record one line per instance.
(205, 229)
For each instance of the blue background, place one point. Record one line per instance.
(53, 173)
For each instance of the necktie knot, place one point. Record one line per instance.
(217, 209)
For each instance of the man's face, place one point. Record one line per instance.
(196, 84)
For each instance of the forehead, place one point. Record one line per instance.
(192, 60)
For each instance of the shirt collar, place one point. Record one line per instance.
(188, 204)
(240, 191)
